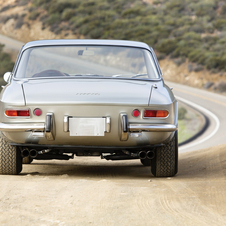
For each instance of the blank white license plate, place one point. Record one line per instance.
(86, 126)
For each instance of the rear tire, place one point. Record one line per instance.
(146, 162)
(165, 163)
(10, 158)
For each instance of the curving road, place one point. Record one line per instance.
(11, 44)
(210, 104)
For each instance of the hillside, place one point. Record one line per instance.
(189, 33)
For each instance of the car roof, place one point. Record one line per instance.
(107, 42)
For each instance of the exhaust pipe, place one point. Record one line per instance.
(150, 154)
(142, 154)
(44, 151)
(25, 153)
(33, 153)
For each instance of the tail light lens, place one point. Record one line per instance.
(17, 113)
(155, 113)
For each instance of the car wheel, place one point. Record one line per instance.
(146, 162)
(165, 163)
(27, 160)
(10, 158)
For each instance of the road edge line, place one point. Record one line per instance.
(201, 109)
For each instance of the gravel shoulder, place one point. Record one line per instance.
(91, 191)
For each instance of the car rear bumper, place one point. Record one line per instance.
(151, 128)
(24, 127)
(56, 132)
(40, 127)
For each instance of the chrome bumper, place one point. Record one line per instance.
(48, 129)
(40, 129)
(22, 127)
(125, 127)
(151, 128)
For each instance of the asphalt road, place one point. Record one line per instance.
(210, 104)
(10, 44)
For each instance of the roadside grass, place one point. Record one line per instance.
(190, 122)
(183, 133)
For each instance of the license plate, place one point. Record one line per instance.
(86, 126)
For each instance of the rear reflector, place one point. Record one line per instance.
(155, 113)
(17, 113)
(136, 113)
(37, 111)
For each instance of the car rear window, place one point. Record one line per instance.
(87, 61)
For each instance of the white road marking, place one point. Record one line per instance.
(204, 110)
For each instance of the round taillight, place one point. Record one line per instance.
(37, 112)
(136, 113)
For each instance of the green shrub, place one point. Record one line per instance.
(53, 19)
(132, 12)
(191, 36)
(223, 10)
(182, 113)
(205, 8)
(175, 5)
(33, 15)
(167, 45)
(5, 61)
(39, 2)
(215, 62)
(209, 28)
(58, 6)
(180, 31)
(194, 55)
(96, 33)
(68, 13)
(220, 24)
(197, 28)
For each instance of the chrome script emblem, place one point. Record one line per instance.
(88, 94)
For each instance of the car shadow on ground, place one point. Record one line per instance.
(201, 165)
(101, 169)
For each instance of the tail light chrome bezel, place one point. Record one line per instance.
(17, 109)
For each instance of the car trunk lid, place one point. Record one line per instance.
(87, 91)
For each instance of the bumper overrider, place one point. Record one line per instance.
(47, 128)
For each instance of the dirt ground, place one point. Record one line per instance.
(91, 191)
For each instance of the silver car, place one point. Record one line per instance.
(104, 98)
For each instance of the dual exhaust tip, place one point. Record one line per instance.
(146, 154)
(34, 153)
(29, 153)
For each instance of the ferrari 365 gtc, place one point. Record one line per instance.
(106, 98)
